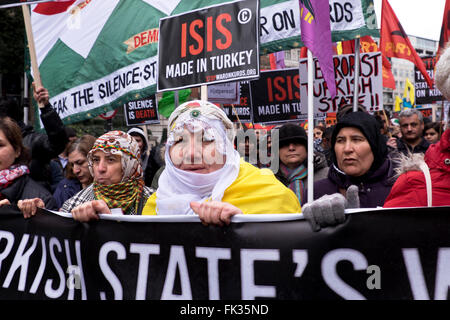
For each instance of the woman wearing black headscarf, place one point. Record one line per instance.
(359, 157)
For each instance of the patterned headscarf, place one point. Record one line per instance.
(127, 193)
(177, 188)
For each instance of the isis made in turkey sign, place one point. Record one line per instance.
(211, 45)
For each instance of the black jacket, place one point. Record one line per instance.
(404, 148)
(44, 147)
(26, 188)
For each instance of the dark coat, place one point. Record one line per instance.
(404, 148)
(44, 147)
(25, 187)
(66, 189)
(373, 187)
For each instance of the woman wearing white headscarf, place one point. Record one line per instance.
(204, 174)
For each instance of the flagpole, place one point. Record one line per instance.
(356, 77)
(310, 129)
(30, 39)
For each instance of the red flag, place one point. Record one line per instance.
(445, 29)
(367, 44)
(304, 52)
(273, 61)
(395, 43)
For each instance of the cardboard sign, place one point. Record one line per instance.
(276, 96)
(142, 111)
(224, 93)
(370, 83)
(425, 95)
(243, 110)
(210, 45)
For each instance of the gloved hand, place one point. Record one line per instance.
(329, 210)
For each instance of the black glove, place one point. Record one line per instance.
(329, 210)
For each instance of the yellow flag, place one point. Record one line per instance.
(398, 104)
(409, 87)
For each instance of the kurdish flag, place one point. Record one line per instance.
(96, 55)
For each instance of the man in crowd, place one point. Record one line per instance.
(411, 126)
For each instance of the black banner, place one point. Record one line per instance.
(210, 45)
(244, 109)
(276, 96)
(142, 111)
(382, 254)
(423, 94)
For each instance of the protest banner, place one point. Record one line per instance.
(141, 111)
(387, 254)
(212, 45)
(425, 95)
(224, 93)
(94, 56)
(242, 111)
(370, 83)
(280, 23)
(276, 96)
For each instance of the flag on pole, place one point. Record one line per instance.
(367, 44)
(316, 35)
(277, 60)
(394, 42)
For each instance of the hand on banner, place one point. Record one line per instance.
(29, 206)
(90, 210)
(329, 210)
(40, 95)
(4, 202)
(215, 212)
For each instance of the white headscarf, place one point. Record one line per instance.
(177, 188)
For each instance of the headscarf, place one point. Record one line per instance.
(370, 128)
(127, 193)
(177, 188)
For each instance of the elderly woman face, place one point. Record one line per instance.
(353, 153)
(193, 152)
(107, 167)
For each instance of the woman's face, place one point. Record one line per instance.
(107, 167)
(431, 135)
(192, 152)
(353, 153)
(317, 133)
(80, 167)
(293, 154)
(7, 153)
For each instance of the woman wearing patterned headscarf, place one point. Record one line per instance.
(118, 183)
(205, 175)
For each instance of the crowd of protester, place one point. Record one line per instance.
(204, 168)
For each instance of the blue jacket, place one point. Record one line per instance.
(65, 190)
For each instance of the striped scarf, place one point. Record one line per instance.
(295, 179)
(125, 195)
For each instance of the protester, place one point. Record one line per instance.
(293, 157)
(58, 165)
(411, 189)
(204, 174)
(43, 147)
(411, 126)
(326, 144)
(359, 159)
(432, 132)
(118, 178)
(318, 132)
(16, 185)
(139, 135)
(77, 175)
